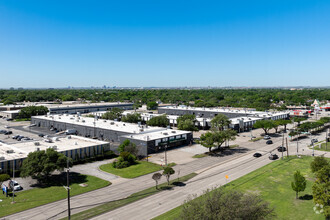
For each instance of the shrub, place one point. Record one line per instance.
(4, 177)
(125, 159)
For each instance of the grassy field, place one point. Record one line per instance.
(256, 139)
(273, 183)
(106, 207)
(139, 169)
(40, 196)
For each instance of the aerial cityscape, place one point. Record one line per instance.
(190, 110)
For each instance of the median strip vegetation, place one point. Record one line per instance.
(109, 206)
(139, 169)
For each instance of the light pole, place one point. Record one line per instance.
(297, 144)
(165, 156)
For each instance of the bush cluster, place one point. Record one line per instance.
(125, 159)
(4, 177)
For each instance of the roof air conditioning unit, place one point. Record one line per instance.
(83, 121)
(36, 143)
(173, 132)
(165, 133)
(54, 147)
(69, 137)
(10, 151)
(2, 158)
(112, 123)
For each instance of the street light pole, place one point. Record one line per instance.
(297, 144)
(165, 155)
(13, 184)
(68, 188)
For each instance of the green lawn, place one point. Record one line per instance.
(256, 139)
(323, 147)
(22, 119)
(199, 156)
(273, 183)
(106, 207)
(139, 169)
(40, 196)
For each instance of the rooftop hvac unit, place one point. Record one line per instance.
(77, 120)
(54, 147)
(112, 123)
(69, 137)
(82, 120)
(48, 140)
(10, 151)
(75, 143)
(165, 133)
(36, 143)
(2, 158)
(56, 139)
(105, 121)
(59, 117)
(141, 129)
(173, 132)
(71, 118)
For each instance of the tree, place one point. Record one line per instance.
(318, 163)
(224, 204)
(156, 177)
(321, 189)
(160, 121)
(113, 114)
(131, 118)
(187, 123)
(299, 183)
(221, 137)
(128, 146)
(168, 171)
(299, 119)
(284, 122)
(29, 111)
(265, 125)
(152, 105)
(124, 160)
(40, 164)
(276, 124)
(219, 122)
(207, 140)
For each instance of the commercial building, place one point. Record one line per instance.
(114, 132)
(71, 146)
(229, 112)
(9, 114)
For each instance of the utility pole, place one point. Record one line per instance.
(165, 155)
(297, 144)
(68, 188)
(13, 183)
(282, 143)
(287, 147)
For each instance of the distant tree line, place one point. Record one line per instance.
(261, 99)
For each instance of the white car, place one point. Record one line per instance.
(266, 137)
(14, 185)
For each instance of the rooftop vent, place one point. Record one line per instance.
(69, 137)
(54, 147)
(2, 158)
(165, 133)
(173, 132)
(36, 143)
(10, 151)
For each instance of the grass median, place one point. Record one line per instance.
(273, 183)
(139, 169)
(40, 196)
(109, 206)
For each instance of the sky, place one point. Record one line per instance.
(169, 43)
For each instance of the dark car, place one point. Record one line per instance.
(15, 136)
(41, 135)
(269, 142)
(273, 157)
(281, 149)
(314, 141)
(8, 132)
(2, 131)
(257, 155)
(19, 138)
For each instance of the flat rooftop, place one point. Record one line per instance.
(157, 135)
(225, 110)
(22, 149)
(99, 123)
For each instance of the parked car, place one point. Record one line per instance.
(273, 157)
(14, 185)
(314, 141)
(266, 137)
(41, 135)
(8, 132)
(2, 131)
(281, 149)
(19, 138)
(269, 142)
(257, 155)
(15, 136)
